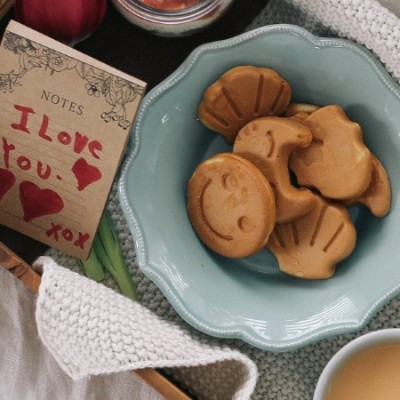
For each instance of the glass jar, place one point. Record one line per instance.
(172, 17)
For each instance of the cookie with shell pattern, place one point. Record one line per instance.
(240, 95)
(312, 246)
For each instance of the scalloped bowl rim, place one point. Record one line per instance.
(141, 248)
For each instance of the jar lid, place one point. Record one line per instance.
(172, 17)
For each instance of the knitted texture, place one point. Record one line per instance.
(284, 376)
(364, 21)
(92, 330)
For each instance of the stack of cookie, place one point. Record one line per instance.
(293, 172)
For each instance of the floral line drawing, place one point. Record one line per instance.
(117, 91)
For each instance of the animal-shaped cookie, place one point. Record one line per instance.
(313, 245)
(267, 142)
(231, 205)
(377, 197)
(240, 95)
(337, 162)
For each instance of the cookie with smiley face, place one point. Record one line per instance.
(231, 205)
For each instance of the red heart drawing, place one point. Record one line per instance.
(7, 180)
(38, 202)
(85, 173)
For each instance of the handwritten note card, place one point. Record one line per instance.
(65, 119)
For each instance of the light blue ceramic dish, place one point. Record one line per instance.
(249, 298)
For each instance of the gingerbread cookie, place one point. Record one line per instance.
(231, 205)
(337, 162)
(240, 95)
(267, 142)
(313, 245)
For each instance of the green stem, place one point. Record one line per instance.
(109, 251)
(92, 267)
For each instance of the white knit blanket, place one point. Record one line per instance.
(90, 329)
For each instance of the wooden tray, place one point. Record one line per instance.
(31, 279)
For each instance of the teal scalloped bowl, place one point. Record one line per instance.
(249, 298)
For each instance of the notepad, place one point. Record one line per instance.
(65, 120)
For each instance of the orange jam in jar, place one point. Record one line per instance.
(169, 5)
